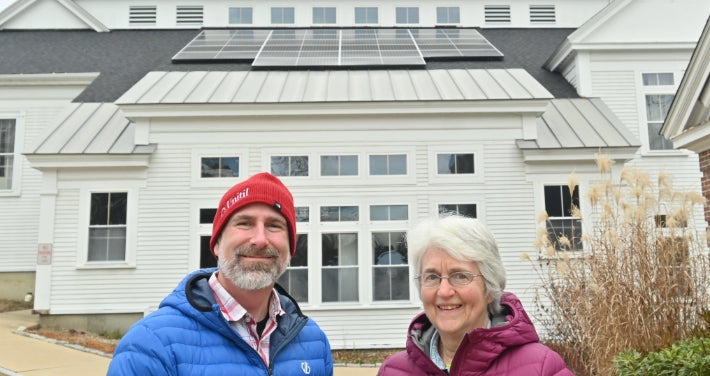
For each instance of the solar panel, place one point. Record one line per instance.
(455, 43)
(336, 47)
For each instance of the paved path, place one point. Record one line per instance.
(25, 356)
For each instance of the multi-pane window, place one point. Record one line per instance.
(659, 90)
(657, 79)
(107, 226)
(340, 267)
(366, 15)
(389, 213)
(388, 164)
(467, 210)
(448, 15)
(295, 278)
(390, 274)
(561, 221)
(323, 15)
(7, 152)
(219, 167)
(282, 15)
(454, 163)
(339, 213)
(407, 15)
(239, 15)
(289, 165)
(338, 165)
(657, 106)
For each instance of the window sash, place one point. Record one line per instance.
(366, 15)
(657, 106)
(240, 15)
(448, 15)
(282, 15)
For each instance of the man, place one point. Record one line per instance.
(233, 320)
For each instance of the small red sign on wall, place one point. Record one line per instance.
(44, 254)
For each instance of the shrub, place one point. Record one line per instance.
(683, 358)
(641, 281)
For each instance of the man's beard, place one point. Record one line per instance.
(252, 275)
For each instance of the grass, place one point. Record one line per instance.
(641, 281)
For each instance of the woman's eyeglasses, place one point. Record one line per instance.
(455, 279)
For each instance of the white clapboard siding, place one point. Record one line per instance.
(618, 90)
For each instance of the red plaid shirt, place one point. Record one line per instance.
(242, 321)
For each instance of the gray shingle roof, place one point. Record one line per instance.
(124, 56)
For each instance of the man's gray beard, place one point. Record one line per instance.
(253, 276)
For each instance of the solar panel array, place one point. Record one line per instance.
(336, 47)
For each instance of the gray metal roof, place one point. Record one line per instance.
(580, 123)
(91, 128)
(334, 86)
(101, 128)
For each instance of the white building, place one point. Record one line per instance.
(117, 141)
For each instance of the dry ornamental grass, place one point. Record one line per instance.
(640, 281)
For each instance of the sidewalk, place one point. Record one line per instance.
(25, 356)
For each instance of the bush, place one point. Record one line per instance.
(683, 358)
(641, 280)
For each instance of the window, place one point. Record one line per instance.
(657, 79)
(107, 226)
(282, 15)
(339, 213)
(323, 15)
(497, 14)
(561, 222)
(388, 164)
(240, 16)
(189, 15)
(366, 15)
(390, 272)
(657, 106)
(542, 14)
(302, 214)
(295, 278)
(454, 164)
(389, 212)
(289, 165)
(467, 210)
(407, 15)
(207, 259)
(142, 15)
(219, 167)
(448, 15)
(7, 153)
(340, 267)
(338, 165)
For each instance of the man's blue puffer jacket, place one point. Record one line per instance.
(188, 335)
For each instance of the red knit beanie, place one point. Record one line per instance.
(264, 188)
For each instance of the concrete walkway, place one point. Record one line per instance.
(21, 355)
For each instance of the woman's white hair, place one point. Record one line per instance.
(464, 239)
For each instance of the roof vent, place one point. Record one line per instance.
(542, 14)
(143, 15)
(189, 15)
(497, 14)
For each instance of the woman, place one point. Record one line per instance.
(469, 325)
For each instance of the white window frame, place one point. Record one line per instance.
(654, 90)
(325, 12)
(240, 11)
(478, 173)
(367, 20)
(131, 225)
(448, 20)
(196, 167)
(17, 157)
